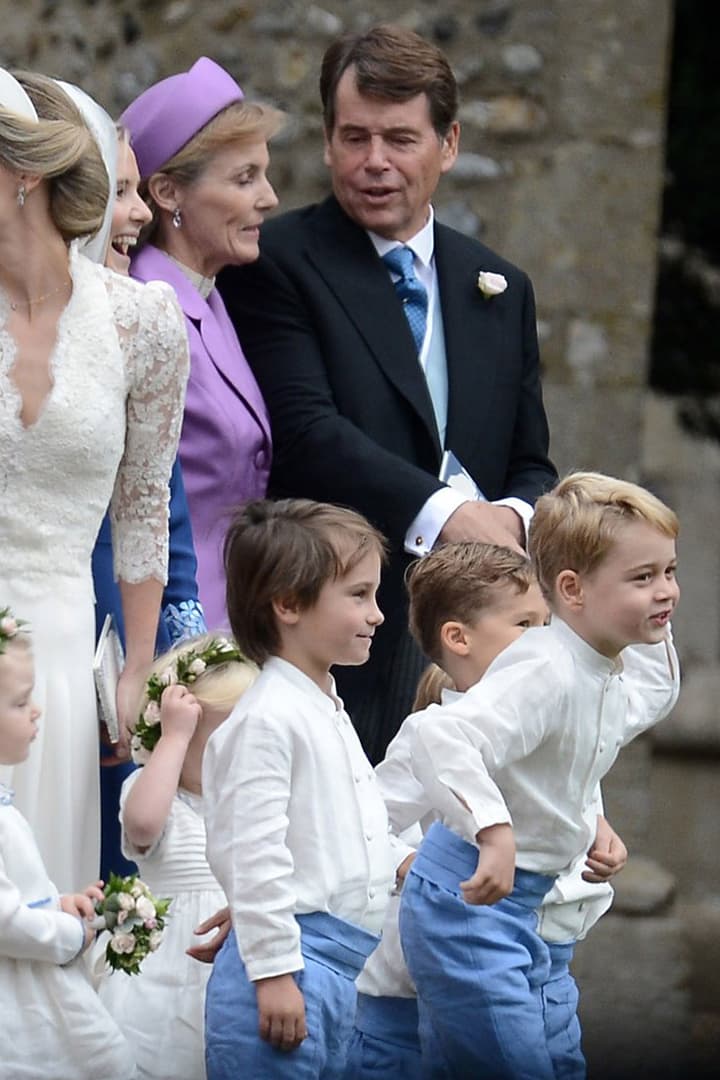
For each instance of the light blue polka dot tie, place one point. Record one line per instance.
(411, 291)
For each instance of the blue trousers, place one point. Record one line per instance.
(334, 952)
(385, 1042)
(562, 1027)
(479, 970)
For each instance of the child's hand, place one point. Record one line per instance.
(82, 907)
(206, 951)
(402, 870)
(495, 872)
(281, 1009)
(180, 712)
(81, 904)
(607, 856)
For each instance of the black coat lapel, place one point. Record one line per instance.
(343, 254)
(473, 340)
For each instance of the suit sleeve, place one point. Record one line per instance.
(318, 452)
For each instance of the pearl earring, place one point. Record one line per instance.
(21, 195)
(177, 218)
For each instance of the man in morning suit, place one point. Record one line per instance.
(376, 349)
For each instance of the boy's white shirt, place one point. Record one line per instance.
(530, 743)
(567, 913)
(295, 819)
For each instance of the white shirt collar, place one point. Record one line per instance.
(330, 702)
(585, 652)
(422, 244)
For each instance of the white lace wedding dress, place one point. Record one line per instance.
(108, 430)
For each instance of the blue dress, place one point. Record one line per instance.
(181, 616)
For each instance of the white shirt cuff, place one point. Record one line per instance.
(427, 526)
(523, 509)
(429, 523)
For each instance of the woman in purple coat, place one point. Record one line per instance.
(202, 155)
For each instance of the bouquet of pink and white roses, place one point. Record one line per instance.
(135, 919)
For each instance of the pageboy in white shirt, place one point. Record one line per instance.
(297, 829)
(514, 765)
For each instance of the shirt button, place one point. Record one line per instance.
(357, 778)
(603, 744)
(371, 894)
(368, 836)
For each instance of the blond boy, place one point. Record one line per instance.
(514, 766)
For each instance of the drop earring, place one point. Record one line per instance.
(177, 218)
(21, 195)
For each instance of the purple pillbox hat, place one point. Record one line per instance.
(168, 114)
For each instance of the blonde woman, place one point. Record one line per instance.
(92, 375)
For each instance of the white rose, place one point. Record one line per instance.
(154, 940)
(137, 889)
(145, 908)
(122, 942)
(491, 284)
(168, 677)
(197, 667)
(125, 901)
(8, 626)
(151, 716)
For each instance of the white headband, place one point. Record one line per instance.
(13, 97)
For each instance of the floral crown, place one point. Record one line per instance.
(184, 669)
(10, 627)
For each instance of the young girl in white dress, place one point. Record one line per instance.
(161, 1011)
(53, 1023)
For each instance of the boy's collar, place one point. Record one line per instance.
(583, 650)
(330, 700)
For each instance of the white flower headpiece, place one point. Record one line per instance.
(184, 669)
(10, 627)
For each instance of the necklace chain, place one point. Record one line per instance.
(15, 304)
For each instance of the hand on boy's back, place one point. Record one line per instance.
(179, 712)
(486, 522)
(495, 872)
(607, 856)
(281, 1012)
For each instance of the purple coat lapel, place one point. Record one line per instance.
(212, 323)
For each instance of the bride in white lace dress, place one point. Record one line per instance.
(92, 375)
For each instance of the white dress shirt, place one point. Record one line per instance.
(432, 516)
(529, 744)
(294, 817)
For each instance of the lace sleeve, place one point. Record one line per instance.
(152, 333)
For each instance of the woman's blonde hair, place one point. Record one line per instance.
(239, 123)
(576, 524)
(430, 687)
(220, 685)
(61, 149)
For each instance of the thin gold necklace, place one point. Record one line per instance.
(15, 304)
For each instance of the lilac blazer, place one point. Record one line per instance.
(225, 446)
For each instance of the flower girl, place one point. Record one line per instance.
(190, 691)
(53, 1024)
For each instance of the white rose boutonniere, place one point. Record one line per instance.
(491, 284)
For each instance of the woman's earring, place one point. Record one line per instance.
(21, 195)
(177, 218)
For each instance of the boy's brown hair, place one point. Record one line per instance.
(287, 549)
(576, 524)
(455, 583)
